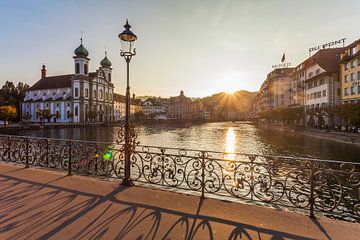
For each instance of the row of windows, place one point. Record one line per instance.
(352, 77)
(316, 83)
(77, 68)
(352, 90)
(47, 105)
(316, 95)
(352, 64)
(100, 94)
(317, 106)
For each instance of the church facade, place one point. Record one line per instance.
(79, 97)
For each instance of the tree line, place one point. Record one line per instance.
(348, 114)
(11, 96)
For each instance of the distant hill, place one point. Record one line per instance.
(239, 101)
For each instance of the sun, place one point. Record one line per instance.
(230, 92)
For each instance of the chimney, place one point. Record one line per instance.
(43, 72)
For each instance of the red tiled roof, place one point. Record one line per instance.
(119, 98)
(329, 58)
(62, 81)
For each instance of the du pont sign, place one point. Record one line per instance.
(327, 45)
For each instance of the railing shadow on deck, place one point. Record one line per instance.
(31, 209)
(315, 186)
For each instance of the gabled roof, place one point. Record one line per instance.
(119, 98)
(52, 82)
(328, 59)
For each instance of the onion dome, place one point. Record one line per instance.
(105, 62)
(81, 51)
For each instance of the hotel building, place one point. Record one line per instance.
(350, 73)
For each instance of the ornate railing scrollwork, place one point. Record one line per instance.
(316, 186)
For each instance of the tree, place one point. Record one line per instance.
(11, 95)
(8, 112)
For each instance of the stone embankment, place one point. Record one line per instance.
(338, 136)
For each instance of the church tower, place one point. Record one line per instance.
(80, 83)
(106, 67)
(81, 60)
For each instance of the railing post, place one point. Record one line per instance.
(202, 174)
(312, 200)
(70, 159)
(27, 153)
(47, 152)
(96, 160)
(9, 148)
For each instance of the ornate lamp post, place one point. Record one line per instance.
(128, 39)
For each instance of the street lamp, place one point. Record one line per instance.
(128, 39)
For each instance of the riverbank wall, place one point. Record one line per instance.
(343, 137)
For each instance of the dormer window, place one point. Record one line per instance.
(353, 51)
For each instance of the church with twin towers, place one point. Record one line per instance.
(78, 97)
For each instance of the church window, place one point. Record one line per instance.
(68, 114)
(109, 78)
(76, 92)
(100, 94)
(85, 69)
(77, 68)
(86, 92)
(76, 110)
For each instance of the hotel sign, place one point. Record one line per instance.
(327, 45)
(281, 65)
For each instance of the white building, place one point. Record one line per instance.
(78, 97)
(322, 85)
(153, 106)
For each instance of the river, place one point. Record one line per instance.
(243, 137)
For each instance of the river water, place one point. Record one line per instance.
(243, 137)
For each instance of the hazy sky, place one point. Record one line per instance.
(199, 46)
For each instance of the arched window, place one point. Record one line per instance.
(76, 111)
(86, 92)
(100, 94)
(85, 69)
(109, 78)
(94, 94)
(77, 68)
(76, 92)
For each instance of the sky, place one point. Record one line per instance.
(198, 46)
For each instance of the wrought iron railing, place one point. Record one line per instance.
(323, 186)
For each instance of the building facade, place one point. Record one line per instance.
(350, 73)
(322, 86)
(79, 97)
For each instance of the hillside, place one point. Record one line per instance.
(239, 101)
